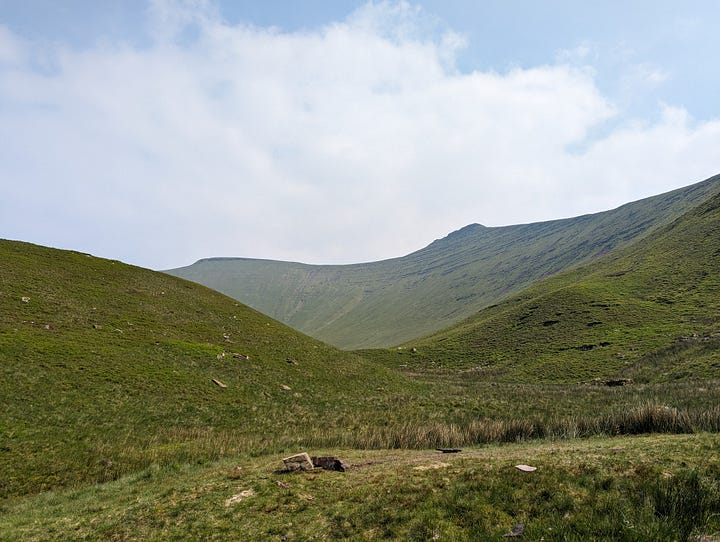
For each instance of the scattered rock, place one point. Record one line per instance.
(220, 356)
(413, 350)
(619, 382)
(47, 326)
(525, 468)
(516, 532)
(226, 336)
(286, 388)
(449, 450)
(240, 356)
(330, 463)
(240, 496)
(667, 474)
(97, 326)
(291, 361)
(25, 299)
(218, 383)
(298, 462)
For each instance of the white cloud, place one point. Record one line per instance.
(357, 141)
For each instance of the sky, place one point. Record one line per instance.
(334, 131)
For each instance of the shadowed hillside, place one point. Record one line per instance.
(389, 302)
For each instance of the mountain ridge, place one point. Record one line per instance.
(647, 311)
(384, 303)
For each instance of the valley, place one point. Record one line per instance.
(137, 405)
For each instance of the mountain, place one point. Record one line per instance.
(389, 302)
(107, 368)
(649, 311)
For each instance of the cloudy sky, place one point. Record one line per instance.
(336, 131)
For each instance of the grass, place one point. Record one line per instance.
(661, 487)
(386, 303)
(114, 425)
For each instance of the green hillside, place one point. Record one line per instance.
(649, 311)
(107, 368)
(386, 303)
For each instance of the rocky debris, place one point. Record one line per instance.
(240, 496)
(525, 468)
(25, 299)
(97, 326)
(516, 532)
(285, 387)
(236, 355)
(291, 361)
(218, 383)
(449, 450)
(298, 462)
(329, 463)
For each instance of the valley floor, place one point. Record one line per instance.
(648, 487)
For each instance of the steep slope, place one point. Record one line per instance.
(650, 311)
(392, 301)
(107, 368)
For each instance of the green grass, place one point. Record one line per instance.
(111, 426)
(662, 487)
(109, 368)
(390, 302)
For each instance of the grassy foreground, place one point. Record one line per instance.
(658, 487)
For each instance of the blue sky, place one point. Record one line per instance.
(333, 132)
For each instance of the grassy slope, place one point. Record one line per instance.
(662, 487)
(624, 314)
(390, 302)
(108, 368)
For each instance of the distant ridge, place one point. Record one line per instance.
(389, 302)
(649, 312)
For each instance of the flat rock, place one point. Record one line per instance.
(525, 468)
(299, 461)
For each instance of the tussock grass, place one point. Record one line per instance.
(660, 487)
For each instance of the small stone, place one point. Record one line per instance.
(298, 462)
(516, 532)
(97, 326)
(237, 355)
(285, 387)
(282, 485)
(218, 383)
(291, 361)
(240, 496)
(525, 468)
(25, 299)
